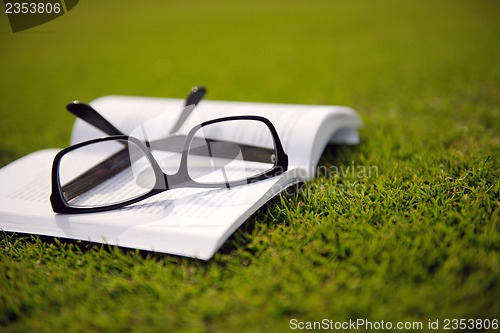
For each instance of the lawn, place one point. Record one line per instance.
(415, 239)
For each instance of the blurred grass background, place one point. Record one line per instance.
(419, 240)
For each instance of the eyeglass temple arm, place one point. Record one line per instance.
(194, 97)
(231, 152)
(85, 112)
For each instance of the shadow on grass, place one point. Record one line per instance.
(81, 246)
(333, 155)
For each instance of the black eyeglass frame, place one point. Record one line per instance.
(164, 182)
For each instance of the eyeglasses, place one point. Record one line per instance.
(119, 170)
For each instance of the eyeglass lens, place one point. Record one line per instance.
(104, 173)
(230, 151)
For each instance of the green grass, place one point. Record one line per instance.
(415, 239)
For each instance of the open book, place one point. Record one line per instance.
(190, 222)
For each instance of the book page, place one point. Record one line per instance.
(187, 221)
